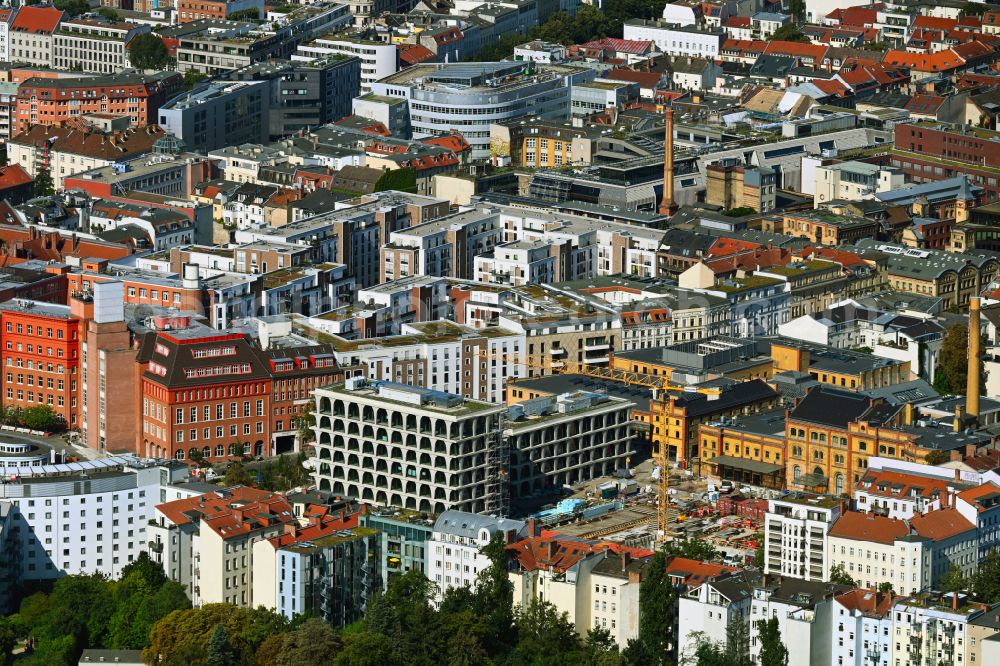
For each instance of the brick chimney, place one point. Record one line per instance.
(667, 205)
(974, 364)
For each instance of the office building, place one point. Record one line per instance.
(89, 44)
(219, 114)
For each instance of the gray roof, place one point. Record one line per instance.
(464, 524)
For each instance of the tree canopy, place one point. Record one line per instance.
(953, 360)
(147, 51)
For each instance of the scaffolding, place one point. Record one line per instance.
(497, 500)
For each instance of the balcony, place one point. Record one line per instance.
(596, 345)
(557, 351)
(156, 546)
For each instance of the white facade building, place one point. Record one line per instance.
(378, 60)
(454, 557)
(795, 533)
(677, 39)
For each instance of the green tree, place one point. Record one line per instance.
(936, 457)
(986, 581)
(953, 361)
(692, 549)
(109, 14)
(493, 600)
(737, 649)
(369, 649)
(73, 7)
(8, 639)
(187, 632)
(953, 580)
(657, 610)
(192, 78)
(839, 575)
(220, 650)
(758, 555)
(543, 631)
(236, 475)
(305, 421)
(43, 183)
(885, 587)
(789, 33)
(973, 9)
(772, 651)
(42, 417)
(147, 51)
(314, 642)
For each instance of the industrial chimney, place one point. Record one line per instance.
(975, 362)
(667, 205)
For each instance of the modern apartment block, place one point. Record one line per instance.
(220, 114)
(97, 45)
(378, 60)
(795, 536)
(400, 445)
(89, 517)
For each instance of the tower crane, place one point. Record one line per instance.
(661, 388)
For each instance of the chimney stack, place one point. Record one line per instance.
(667, 205)
(975, 360)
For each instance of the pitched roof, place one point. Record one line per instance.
(796, 49)
(869, 527)
(111, 147)
(941, 524)
(830, 407)
(984, 496)
(942, 61)
(900, 485)
(414, 54)
(633, 46)
(13, 175)
(871, 603)
(38, 20)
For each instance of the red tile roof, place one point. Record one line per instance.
(13, 175)
(864, 16)
(972, 495)
(934, 23)
(942, 524)
(230, 513)
(692, 572)
(869, 527)
(633, 46)
(414, 54)
(796, 49)
(644, 79)
(37, 20)
(900, 485)
(559, 552)
(453, 142)
(870, 603)
(942, 61)
(320, 525)
(737, 22)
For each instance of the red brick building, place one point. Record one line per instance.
(930, 151)
(41, 356)
(217, 395)
(53, 101)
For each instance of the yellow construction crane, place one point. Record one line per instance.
(661, 388)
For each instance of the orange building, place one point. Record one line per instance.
(41, 356)
(54, 101)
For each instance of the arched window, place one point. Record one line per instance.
(839, 484)
(797, 473)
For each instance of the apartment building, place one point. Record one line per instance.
(446, 247)
(913, 554)
(89, 44)
(53, 101)
(795, 536)
(206, 542)
(854, 181)
(758, 305)
(194, 10)
(89, 517)
(378, 60)
(404, 536)
(41, 357)
(454, 549)
(862, 627)
(63, 151)
(675, 39)
(420, 449)
(31, 34)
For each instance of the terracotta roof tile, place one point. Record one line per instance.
(869, 527)
(37, 20)
(942, 524)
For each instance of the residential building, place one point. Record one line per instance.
(397, 468)
(65, 152)
(54, 101)
(194, 10)
(862, 627)
(854, 181)
(735, 186)
(912, 554)
(304, 95)
(404, 540)
(85, 518)
(455, 550)
(219, 114)
(90, 44)
(207, 542)
(378, 60)
(31, 32)
(795, 536)
(676, 39)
